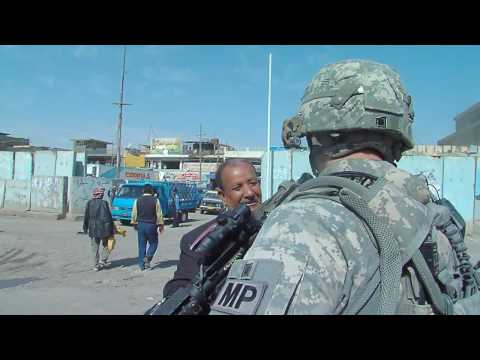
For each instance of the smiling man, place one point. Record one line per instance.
(237, 183)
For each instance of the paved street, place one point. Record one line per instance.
(45, 268)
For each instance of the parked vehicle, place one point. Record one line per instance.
(123, 203)
(211, 203)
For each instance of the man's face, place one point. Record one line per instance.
(240, 185)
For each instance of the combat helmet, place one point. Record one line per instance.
(352, 105)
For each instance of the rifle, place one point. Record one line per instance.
(218, 252)
(234, 234)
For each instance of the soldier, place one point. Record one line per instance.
(363, 237)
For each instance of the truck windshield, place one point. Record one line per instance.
(132, 192)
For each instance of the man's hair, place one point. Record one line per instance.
(148, 189)
(227, 163)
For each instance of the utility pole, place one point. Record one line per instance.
(200, 153)
(120, 116)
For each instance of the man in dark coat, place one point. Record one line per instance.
(237, 183)
(98, 223)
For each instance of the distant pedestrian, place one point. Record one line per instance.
(112, 193)
(147, 217)
(176, 207)
(98, 223)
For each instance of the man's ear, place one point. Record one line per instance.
(221, 193)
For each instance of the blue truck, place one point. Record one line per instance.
(189, 195)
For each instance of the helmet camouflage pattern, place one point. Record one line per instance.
(354, 96)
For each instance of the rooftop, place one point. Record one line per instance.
(92, 140)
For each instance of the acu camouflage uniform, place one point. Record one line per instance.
(314, 255)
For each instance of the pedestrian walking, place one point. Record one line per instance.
(98, 223)
(147, 218)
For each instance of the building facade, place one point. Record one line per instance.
(467, 128)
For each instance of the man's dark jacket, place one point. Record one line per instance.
(98, 219)
(188, 266)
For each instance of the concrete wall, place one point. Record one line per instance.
(44, 163)
(49, 193)
(42, 193)
(459, 184)
(300, 163)
(17, 194)
(23, 166)
(80, 191)
(2, 193)
(431, 167)
(455, 177)
(6, 165)
(286, 165)
(281, 166)
(65, 164)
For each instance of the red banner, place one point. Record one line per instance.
(188, 175)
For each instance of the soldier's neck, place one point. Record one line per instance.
(363, 154)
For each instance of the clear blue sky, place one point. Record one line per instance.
(52, 94)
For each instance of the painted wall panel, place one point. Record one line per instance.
(17, 194)
(44, 163)
(80, 191)
(263, 178)
(281, 168)
(49, 193)
(6, 165)
(23, 167)
(300, 164)
(459, 184)
(65, 164)
(2, 193)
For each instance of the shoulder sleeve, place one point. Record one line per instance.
(308, 254)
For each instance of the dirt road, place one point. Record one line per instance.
(45, 268)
